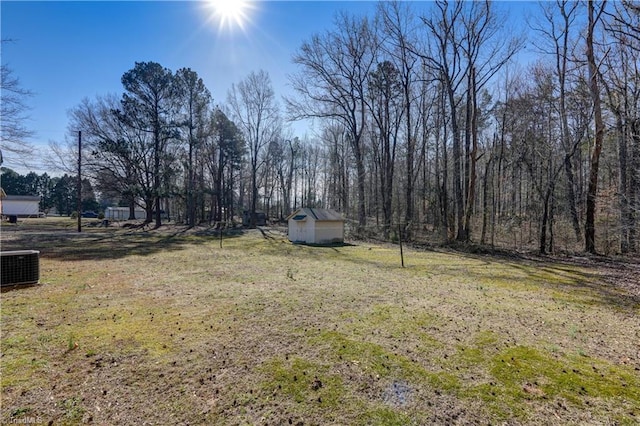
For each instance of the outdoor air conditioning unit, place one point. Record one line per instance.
(19, 267)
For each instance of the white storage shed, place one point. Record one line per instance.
(20, 205)
(316, 226)
(122, 213)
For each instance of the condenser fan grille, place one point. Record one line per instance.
(19, 267)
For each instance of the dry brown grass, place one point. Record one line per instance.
(172, 329)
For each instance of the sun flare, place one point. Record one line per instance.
(230, 13)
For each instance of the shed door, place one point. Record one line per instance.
(300, 231)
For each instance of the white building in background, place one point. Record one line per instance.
(122, 213)
(20, 205)
(316, 226)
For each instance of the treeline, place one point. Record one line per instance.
(426, 125)
(161, 145)
(447, 135)
(58, 194)
(165, 146)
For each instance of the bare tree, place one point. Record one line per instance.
(332, 84)
(117, 156)
(487, 47)
(594, 87)
(14, 134)
(467, 51)
(195, 99)
(387, 113)
(556, 30)
(254, 109)
(336, 144)
(286, 155)
(537, 131)
(223, 151)
(622, 86)
(398, 25)
(624, 22)
(444, 58)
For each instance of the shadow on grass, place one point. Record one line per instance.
(589, 284)
(578, 280)
(110, 243)
(271, 235)
(6, 288)
(326, 246)
(590, 281)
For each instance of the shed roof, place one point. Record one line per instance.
(22, 198)
(321, 215)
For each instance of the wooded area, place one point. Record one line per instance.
(427, 123)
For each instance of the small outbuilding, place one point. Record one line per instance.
(316, 226)
(123, 213)
(20, 206)
(260, 218)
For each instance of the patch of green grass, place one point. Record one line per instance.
(19, 412)
(477, 353)
(523, 374)
(510, 379)
(391, 321)
(73, 409)
(22, 361)
(571, 377)
(385, 416)
(309, 388)
(372, 358)
(142, 326)
(71, 342)
(13, 342)
(44, 339)
(303, 382)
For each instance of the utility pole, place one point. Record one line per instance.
(79, 181)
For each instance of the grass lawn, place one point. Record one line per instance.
(133, 327)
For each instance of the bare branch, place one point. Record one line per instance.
(14, 135)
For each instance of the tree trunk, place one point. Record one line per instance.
(360, 170)
(148, 211)
(561, 68)
(289, 181)
(624, 187)
(156, 166)
(254, 191)
(441, 186)
(634, 186)
(485, 201)
(571, 184)
(191, 206)
(568, 164)
(543, 225)
(472, 156)
(219, 186)
(592, 191)
(551, 220)
(408, 217)
(457, 165)
(132, 210)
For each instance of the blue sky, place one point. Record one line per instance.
(66, 51)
